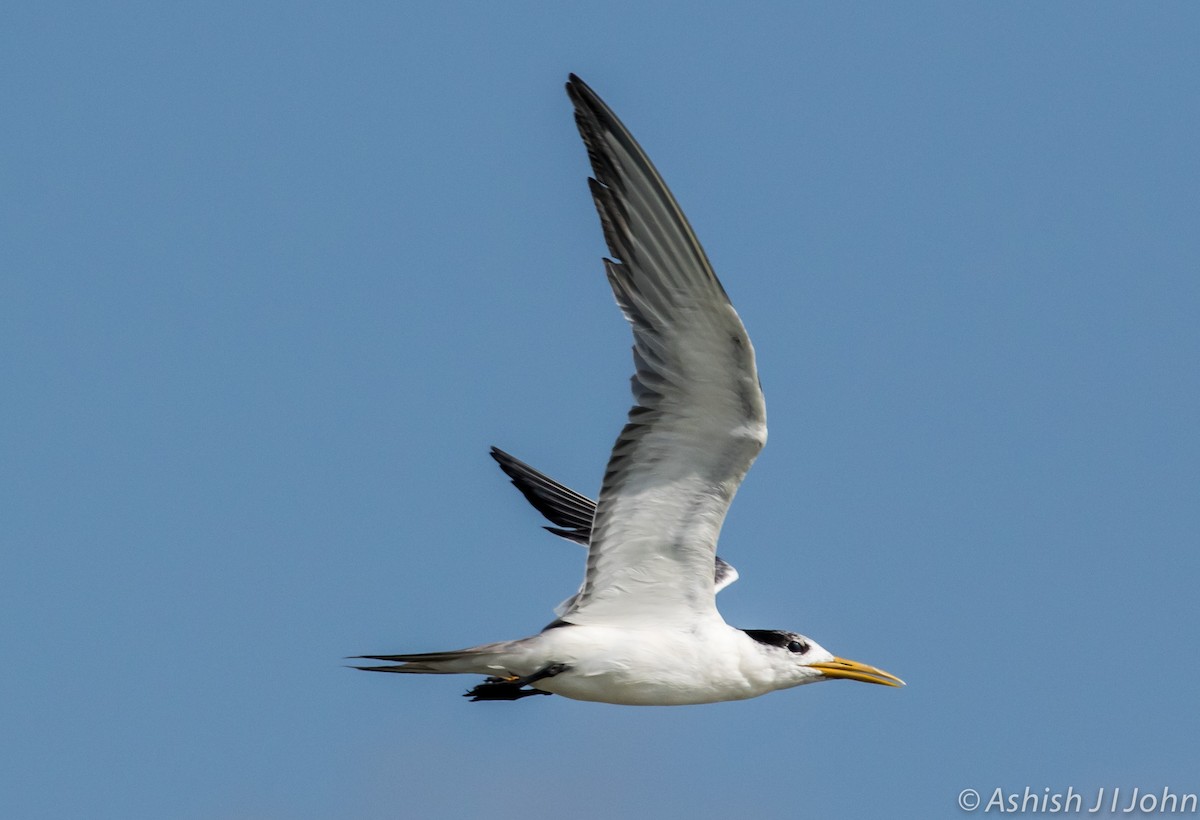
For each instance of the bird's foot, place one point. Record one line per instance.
(498, 689)
(512, 687)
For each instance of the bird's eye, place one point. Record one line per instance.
(799, 647)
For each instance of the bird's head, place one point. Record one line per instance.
(803, 660)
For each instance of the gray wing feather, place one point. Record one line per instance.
(572, 511)
(699, 418)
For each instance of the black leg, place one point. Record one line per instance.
(512, 688)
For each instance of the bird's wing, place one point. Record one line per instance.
(572, 512)
(698, 419)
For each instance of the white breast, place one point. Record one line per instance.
(652, 667)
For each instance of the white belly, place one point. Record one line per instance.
(650, 667)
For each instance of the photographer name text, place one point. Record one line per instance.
(1107, 800)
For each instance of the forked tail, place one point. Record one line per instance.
(494, 660)
(486, 659)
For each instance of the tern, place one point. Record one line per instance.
(644, 629)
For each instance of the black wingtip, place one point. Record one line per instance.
(512, 466)
(581, 93)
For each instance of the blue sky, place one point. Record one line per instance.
(276, 275)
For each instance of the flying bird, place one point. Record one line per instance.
(644, 629)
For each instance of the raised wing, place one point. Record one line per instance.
(698, 420)
(572, 512)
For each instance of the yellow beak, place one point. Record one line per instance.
(853, 670)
